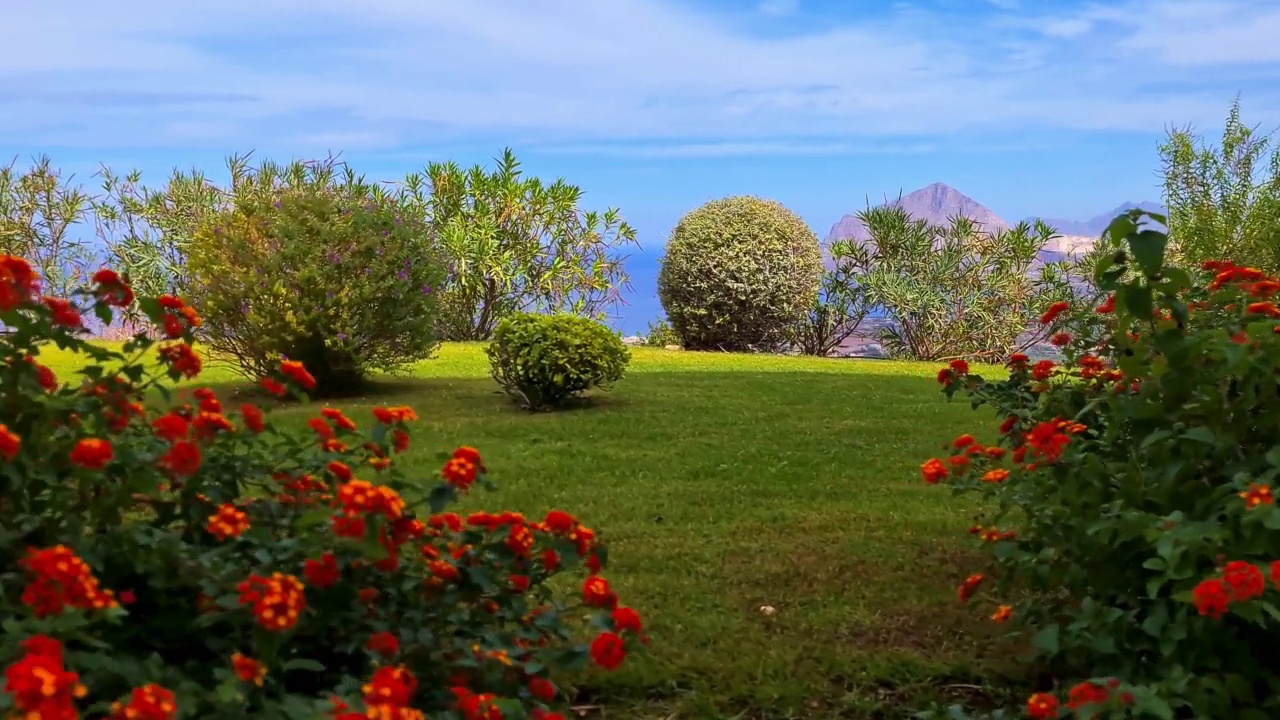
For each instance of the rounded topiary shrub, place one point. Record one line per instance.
(738, 274)
(546, 361)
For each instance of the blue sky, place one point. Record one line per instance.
(1049, 107)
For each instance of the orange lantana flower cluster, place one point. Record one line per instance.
(61, 580)
(275, 601)
(40, 686)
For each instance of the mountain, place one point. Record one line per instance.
(936, 203)
(1094, 226)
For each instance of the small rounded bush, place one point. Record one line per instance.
(544, 361)
(738, 274)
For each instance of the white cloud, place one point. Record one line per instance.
(393, 73)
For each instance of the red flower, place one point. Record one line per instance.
(392, 415)
(1009, 423)
(182, 459)
(608, 650)
(10, 444)
(959, 367)
(459, 472)
(275, 601)
(1107, 306)
(60, 579)
(970, 586)
(171, 427)
(963, 441)
(1042, 706)
(1053, 312)
(1212, 598)
(111, 289)
(92, 453)
(560, 522)
(38, 684)
(227, 522)
(1060, 339)
(392, 686)
(294, 370)
(149, 702)
(542, 689)
(252, 417)
(321, 573)
(340, 421)
(181, 359)
(1244, 579)
(64, 313)
(1042, 370)
(1087, 694)
(627, 620)
(273, 386)
(19, 283)
(383, 643)
(248, 669)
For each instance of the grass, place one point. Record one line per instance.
(725, 483)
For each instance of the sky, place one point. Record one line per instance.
(1031, 107)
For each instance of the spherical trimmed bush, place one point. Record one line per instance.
(738, 274)
(546, 361)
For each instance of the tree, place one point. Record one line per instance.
(1224, 203)
(39, 210)
(516, 244)
(953, 290)
(835, 315)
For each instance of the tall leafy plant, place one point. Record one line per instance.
(835, 315)
(1224, 202)
(953, 290)
(517, 244)
(39, 212)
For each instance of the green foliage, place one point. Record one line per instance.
(545, 361)
(954, 290)
(319, 269)
(38, 209)
(739, 273)
(516, 244)
(1224, 203)
(1140, 484)
(142, 571)
(836, 313)
(661, 334)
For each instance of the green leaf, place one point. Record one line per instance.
(1048, 639)
(1148, 249)
(304, 664)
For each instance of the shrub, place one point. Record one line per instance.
(835, 315)
(162, 561)
(326, 273)
(545, 361)
(951, 290)
(738, 274)
(518, 244)
(1132, 488)
(661, 334)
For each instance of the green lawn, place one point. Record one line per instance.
(725, 483)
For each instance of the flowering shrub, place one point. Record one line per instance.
(171, 561)
(328, 274)
(1131, 489)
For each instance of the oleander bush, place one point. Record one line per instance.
(160, 560)
(547, 361)
(323, 271)
(1133, 531)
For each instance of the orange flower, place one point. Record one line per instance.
(340, 421)
(608, 650)
(520, 540)
(392, 415)
(181, 359)
(294, 370)
(227, 522)
(39, 686)
(963, 441)
(459, 472)
(360, 497)
(321, 428)
(1002, 613)
(1257, 495)
(997, 475)
(44, 376)
(933, 471)
(1211, 598)
(209, 424)
(60, 579)
(1042, 370)
(275, 601)
(1053, 312)
(10, 443)
(1042, 706)
(970, 586)
(149, 702)
(390, 686)
(273, 386)
(248, 669)
(92, 453)
(597, 593)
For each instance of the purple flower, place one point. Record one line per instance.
(403, 275)
(276, 204)
(426, 289)
(342, 336)
(334, 258)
